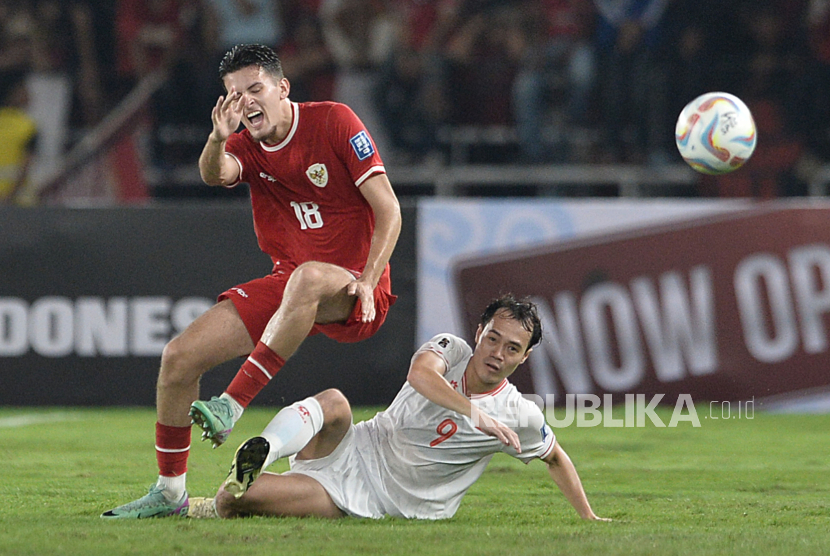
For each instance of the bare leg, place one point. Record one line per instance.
(296, 495)
(216, 336)
(212, 338)
(279, 495)
(315, 292)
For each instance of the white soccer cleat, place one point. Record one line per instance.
(202, 508)
(247, 465)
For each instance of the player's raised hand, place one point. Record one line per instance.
(227, 114)
(494, 427)
(366, 294)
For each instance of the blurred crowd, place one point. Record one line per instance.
(575, 81)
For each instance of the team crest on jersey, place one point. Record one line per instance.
(318, 174)
(444, 342)
(362, 145)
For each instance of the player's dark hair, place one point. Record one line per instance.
(246, 55)
(522, 310)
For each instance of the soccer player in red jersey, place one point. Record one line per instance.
(323, 210)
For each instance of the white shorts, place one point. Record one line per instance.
(346, 477)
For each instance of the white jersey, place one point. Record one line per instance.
(424, 457)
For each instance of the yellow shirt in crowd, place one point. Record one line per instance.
(17, 133)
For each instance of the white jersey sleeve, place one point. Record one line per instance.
(535, 435)
(452, 349)
(524, 417)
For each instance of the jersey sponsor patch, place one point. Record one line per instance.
(362, 145)
(318, 174)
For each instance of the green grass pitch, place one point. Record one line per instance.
(737, 486)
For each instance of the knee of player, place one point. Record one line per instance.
(309, 278)
(310, 272)
(181, 362)
(335, 405)
(227, 505)
(173, 362)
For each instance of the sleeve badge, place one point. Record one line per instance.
(362, 145)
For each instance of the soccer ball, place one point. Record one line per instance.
(715, 133)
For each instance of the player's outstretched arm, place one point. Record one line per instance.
(379, 194)
(426, 376)
(563, 473)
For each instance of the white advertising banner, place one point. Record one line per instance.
(451, 230)
(708, 300)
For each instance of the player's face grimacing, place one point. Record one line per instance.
(262, 112)
(501, 346)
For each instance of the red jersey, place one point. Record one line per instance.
(304, 190)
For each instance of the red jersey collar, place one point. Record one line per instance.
(295, 120)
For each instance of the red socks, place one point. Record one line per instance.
(173, 443)
(172, 449)
(255, 373)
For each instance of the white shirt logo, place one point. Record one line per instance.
(318, 174)
(263, 175)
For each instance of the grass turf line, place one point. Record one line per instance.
(748, 486)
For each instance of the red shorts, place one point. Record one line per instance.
(257, 301)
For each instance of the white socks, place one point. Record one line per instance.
(287, 433)
(235, 407)
(292, 428)
(172, 487)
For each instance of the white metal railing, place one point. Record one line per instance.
(448, 180)
(629, 179)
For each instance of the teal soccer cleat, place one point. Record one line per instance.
(214, 417)
(152, 504)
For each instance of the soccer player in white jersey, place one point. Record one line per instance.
(418, 458)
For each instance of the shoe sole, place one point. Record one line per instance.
(202, 508)
(205, 420)
(247, 465)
